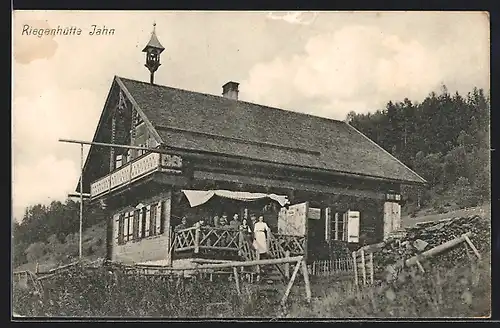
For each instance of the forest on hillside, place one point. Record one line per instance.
(444, 138)
(53, 230)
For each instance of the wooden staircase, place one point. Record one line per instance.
(268, 273)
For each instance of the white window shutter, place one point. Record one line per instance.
(148, 220)
(158, 217)
(353, 218)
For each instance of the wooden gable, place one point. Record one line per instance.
(120, 102)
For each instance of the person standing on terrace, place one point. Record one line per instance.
(261, 233)
(223, 220)
(235, 222)
(216, 221)
(183, 224)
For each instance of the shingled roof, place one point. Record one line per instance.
(202, 122)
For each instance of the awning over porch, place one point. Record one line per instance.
(199, 197)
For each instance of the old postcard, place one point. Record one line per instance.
(213, 165)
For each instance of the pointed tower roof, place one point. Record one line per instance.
(154, 42)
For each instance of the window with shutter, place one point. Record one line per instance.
(343, 235)
(152, 224)
(126, 220)
(136, 224)
(130, 225)
(158, 218)
(140, 224)
(118, 161)
(147, 221)
(353, 225)
(328, 224)
(336, 227)
(119, 228)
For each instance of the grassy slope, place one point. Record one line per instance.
(93, 238)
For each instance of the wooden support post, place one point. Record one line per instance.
(474, 249)
(371, 269)
(237, 280)
(290, 283)
(307, 284)
(197, 239)
(466, 247)
(287, 265)
(436, 250)
(420, 267)
(363, 266)
(257, 267)
(355, 264)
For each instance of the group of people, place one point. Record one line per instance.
(255, 229)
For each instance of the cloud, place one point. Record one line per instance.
(294, 17)
(356, 68)
(44, 168)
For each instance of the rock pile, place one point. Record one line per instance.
(422, 237)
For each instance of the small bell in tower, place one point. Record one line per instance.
(153, 50)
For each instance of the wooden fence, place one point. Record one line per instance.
(331, 267)
(363, 268)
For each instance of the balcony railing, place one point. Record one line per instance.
(125, 174)
(136, 169)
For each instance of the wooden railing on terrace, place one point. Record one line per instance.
(209, 238)
(294, 244)
(199, 238)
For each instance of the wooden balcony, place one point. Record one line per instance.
(134, 170)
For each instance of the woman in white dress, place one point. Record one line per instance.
(261, 229)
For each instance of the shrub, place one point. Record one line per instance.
(35, 251)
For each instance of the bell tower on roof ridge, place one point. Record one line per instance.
(153, 50)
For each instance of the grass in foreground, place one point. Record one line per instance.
(463, 291)
(460, 292)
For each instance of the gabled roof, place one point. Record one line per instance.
(202, 122)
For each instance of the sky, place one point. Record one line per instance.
(321, 63)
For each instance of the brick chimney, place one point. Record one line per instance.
(230, 90)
